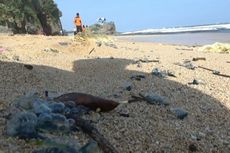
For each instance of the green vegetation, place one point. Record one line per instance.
(30, 16)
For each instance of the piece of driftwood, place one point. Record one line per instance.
(228, 62)
(199, 59)
(214, 72)
(89, 101)
(89, 129)
(187, 49)
(149, 61)
(91, 51)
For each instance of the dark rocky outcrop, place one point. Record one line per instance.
(30, 16)
(107, 28)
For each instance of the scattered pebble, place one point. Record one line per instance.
(193, 148)
(99, 43)
(180, 113)
(155, 99)
(196, 82)
(137, 77)
(188, 65)
(29, 67)
(127, 86)
(63, 43)
(157, 72)
(16, 58)
(51, 50)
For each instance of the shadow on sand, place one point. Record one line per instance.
(149, 128)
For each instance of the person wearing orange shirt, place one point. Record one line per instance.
(78, 23)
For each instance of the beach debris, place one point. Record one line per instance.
(91, 147)
(57, 107)
(155, 99)
(197, 136)
(196, 82)
(56, 149)
(179, 112)
(63, 43)
(79, 110)
(91, 51)
(124, 114)
(40, 117)
(228, 62)
(128, 86)
(51, 50)
(157, 72)
(187, 49)
(89, 129)
(162, 74)
(110, 44)
(89, 101)
(29, 67)
(188, 64)
(193, 148)
(199, 59)
(54, 122)
(99, 43)
(139, 64)
(145, 60)
(215, 72)
(25, 102)
(23, 125)
(137, 77)
(216, 48)
(39, 106)
(15, 58)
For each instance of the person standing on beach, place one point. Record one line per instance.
(78, 23)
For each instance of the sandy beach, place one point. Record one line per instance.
(63, 65)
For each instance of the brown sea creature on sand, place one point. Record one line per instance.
(89, 101)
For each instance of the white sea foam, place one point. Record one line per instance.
(201, 28)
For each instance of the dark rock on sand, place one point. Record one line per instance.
(196, 82)
(23, 125)
(193, 148)
(157, 72)
(155, 99)
(163, 74)
(138, 77)
(15, 58)
(99, 43)
(29, 67)
(180, 113)
(127, 86)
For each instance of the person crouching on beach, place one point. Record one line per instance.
(83, 28)
(78, 23)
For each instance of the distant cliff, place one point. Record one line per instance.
(30, 16)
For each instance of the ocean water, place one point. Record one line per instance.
(190, 39)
